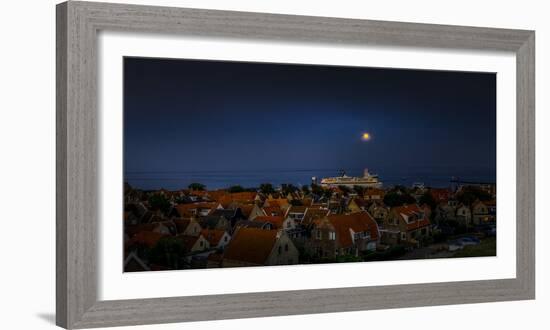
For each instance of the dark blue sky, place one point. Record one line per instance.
(185, 116)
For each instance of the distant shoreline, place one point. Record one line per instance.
(435, 177)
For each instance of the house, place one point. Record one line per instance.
(445, 211)
(374, 194)
(255, 212)
(464, 214)
(216, 238)
(253, 224)
(233, 215)
(188, 227)
(214, 222)
(355, 232)
(313, 213)
(322, 242)
(294, 196)
(232, 199)
(343, 234)
(259, 247)
(481, 213)
(307, 201)
(164, 227)
(194, 243)
(278, 222)
(280, 202)
(440, 194)
(197, 209)
(136, 213)
(296, 212)
(146, 238)
(379, 212)
(246, 210)
(357, 205)
(406, 225)
(337, 205)
(273, 211)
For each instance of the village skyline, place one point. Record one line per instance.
(238, 164)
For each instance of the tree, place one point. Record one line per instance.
(327, 193)
(394, 198)
(316, 189)
(197, 186)
(288, 188)
(470, 194)
(428, 199)
(167, 252)
(305, 189)
(345, 189)
(159, 202)
(236, 189)
(267, 188)
(360, 190)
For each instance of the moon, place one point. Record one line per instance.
(365, 136)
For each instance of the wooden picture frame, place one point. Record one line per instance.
(77, 150)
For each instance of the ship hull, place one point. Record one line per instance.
(332, 184)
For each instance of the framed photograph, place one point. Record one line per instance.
(216, 165)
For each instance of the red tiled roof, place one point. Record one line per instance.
(360, 202)
(198, 193)
(440, 194)
(251, 245)
(148, 238)
(314, 213)
(273, 210)
(246, 209)
(410, 210)
(240, 197)
(358, 222)
(277, 221)
(418, 224)
(184, 210)
(131, 230)
(213, 236)
(374, 192)
(280, 202)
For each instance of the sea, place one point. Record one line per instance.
(216, 179)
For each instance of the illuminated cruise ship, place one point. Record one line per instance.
(368, 180)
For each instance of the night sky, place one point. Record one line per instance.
(189, 120)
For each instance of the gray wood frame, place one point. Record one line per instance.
(77, 190)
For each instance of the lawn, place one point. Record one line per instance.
(487, 248)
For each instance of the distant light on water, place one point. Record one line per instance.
(365, 137)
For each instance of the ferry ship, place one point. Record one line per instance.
(368, 180)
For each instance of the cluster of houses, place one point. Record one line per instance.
(220, 228)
